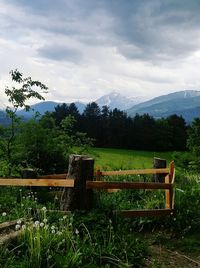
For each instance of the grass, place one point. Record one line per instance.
(112, 159)
(99, 238)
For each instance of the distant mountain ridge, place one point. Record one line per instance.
(44, 106)
(185, 103)
(112, 100)
(116, 100)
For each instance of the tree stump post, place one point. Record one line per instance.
(28, 173)
(81, 169)
(159, 163)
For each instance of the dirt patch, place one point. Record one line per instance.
(164, 258)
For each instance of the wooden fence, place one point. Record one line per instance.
(78, 184)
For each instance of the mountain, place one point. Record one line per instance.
(45, 106)
(116, 100)
(185, 103)
(3, 119)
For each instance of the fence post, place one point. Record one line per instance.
(81, 168)
(29, 173)
(159, 163)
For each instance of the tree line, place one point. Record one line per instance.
(114, 129)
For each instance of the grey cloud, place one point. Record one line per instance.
(60, 53)
(156, 30)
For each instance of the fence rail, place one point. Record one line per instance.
(37, 182)
(126, 185)
(63, 180)
(133, 172)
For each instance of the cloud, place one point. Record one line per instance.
(84, 49)
(60, 53)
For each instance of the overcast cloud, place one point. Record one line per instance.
(84, 49)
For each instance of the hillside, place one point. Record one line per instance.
(45, 106)
(185, 103)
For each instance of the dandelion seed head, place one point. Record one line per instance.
(17, 227)
(36, 224)
(76, 231)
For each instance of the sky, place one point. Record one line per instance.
(84, 49)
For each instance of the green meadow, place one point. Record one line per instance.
(112, 159)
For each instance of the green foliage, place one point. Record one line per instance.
(114, 129)
(17, 98)
(187, 199)
(39, 147)
(193, 141)
(193, 144)
(183, 160)
(74, 241)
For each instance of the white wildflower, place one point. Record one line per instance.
(53, 227)
(76, 231)
(17, 227)
(23, 227)
(53, 231)
(64, 217)
(19, 222)
(45, 220)
(36, 224)
(42, 224)
(44, 209)
(4, 214)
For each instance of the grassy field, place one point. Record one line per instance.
(112, 159)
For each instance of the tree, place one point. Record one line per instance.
(18, 97)
(91, 122)
(143, 132)
(193, 142)
(178, 132)
(61, 111)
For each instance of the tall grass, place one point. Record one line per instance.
(113, 159)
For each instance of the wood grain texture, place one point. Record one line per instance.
(36, 182)
(126, 185)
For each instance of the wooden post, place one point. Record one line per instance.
(159, 163)
(169, 194)
(81, 168)
(98, 175)
(29, 173)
